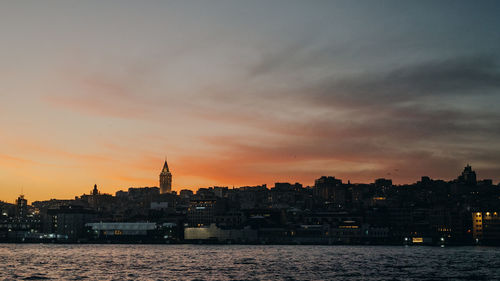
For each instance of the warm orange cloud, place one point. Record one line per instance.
(10, 161)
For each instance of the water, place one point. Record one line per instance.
(239, 262)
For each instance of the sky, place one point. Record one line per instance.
(240, 93)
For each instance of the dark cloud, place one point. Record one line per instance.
(298, 56)
(401, 123)
(271, 61)
(409, 124)
(452, 77)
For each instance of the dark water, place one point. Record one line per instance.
(236, 262)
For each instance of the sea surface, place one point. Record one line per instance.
(240, 262)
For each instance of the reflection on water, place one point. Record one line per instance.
(238, 262)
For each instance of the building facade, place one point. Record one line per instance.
(486, 227)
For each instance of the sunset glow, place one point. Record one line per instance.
(239, 94)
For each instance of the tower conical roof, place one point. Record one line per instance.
(165, 168)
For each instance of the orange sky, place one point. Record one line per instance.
(244, 93)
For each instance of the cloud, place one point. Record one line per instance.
(9, 161)
(107, 93)
(400, 123)
(286, 56)
(409, 103)
(97, 106)
(409, 124)
(358, 127)
(241, 159)
(452, 77)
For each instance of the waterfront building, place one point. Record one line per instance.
(486, 227)
(68, 222)
(215, 234)
(110, 229)
(429, 211)
(201, 212)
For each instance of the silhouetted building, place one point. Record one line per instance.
(216, 234)
(426, 212)
(99, 202)
(122, 231)
(95, 191)
(21, 207)
(485, 182)
(383, 185)
(68, 222)
(201, 212)
(285, 186)
(426, 181)
(165, 179)
(468, 176)
(186, 194)
(325, 187)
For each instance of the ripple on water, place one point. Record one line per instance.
(36, 277)
(239, 262)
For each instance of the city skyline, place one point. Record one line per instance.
(244, 93)
(164, 184)
(249, 140)
(428, 212)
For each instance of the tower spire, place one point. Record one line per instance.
(95, 191)
(165, 167)
(165, 179)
